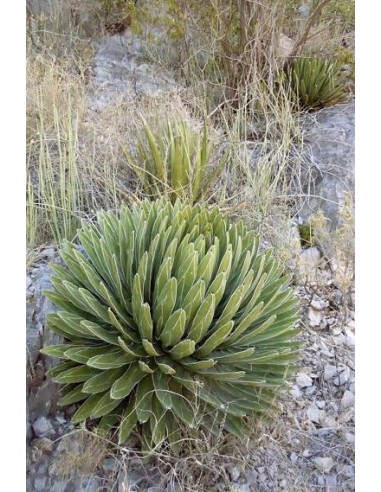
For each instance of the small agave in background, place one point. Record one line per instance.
(316, 83)
(171, 317)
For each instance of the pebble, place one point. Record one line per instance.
(295, 392)
(310, 391)
(348, 471)
(293, 457)
(314, 318)
(321, 404)
(314, 414)
(329, 421)
(325, 465)
(330, 481)
(49, 253)
(329, 372)
(303, 381)
(348, 399)
(42, 427)
(234, 473)
(349, 438)
(342, 377)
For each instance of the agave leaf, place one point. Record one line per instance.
(165, 304)
(105, 405)
(112, 360)
(145, 367)
(162, 393)
(165, 365)
(83, 353)
(107, 335)
(244, 324)
(150, 348)
(193, 300)
(215, 340)
(126, 331)
(133, 350)
(157, 421)
(217, 287)
(197, 365)
(250, 337)
(75, 375)
(182, 349)
(56, 370)
(128, 421)
(144, 395)
(181, 405)
(125, 384)
(86, 409)
(173, 329)
(145, 324)
(202, 319)
(56, 350)
(232, 356)
(102, 381)
(73, 395)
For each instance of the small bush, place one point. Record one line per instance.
(171, 318)
(316, 82)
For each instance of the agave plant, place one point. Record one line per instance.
(316, 82)
(171, 316)
(175, 160)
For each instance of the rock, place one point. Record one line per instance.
(314, 318)
(242, 487)
(314, 414)
(348, 399)
(348, 471)
(44, 400)
(42, 427)
(329, 421)
(33, 339)
(330, 481)
(349, 438)
(121, 75)
(154, 489)
(330, 135)
(234, 472)
(323, 464)
(40, 484)
(293, 457)
(329, 372)
(49, 253)
(342, 377)
(303, 381)
(319, 304)
(58, 486)
(310, 391)
(295, 392)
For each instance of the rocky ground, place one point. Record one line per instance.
(309, 446)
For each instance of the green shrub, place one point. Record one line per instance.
(171, 317)
(316, 82)
(174, 160)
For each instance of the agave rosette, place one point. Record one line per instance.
(171, 316)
